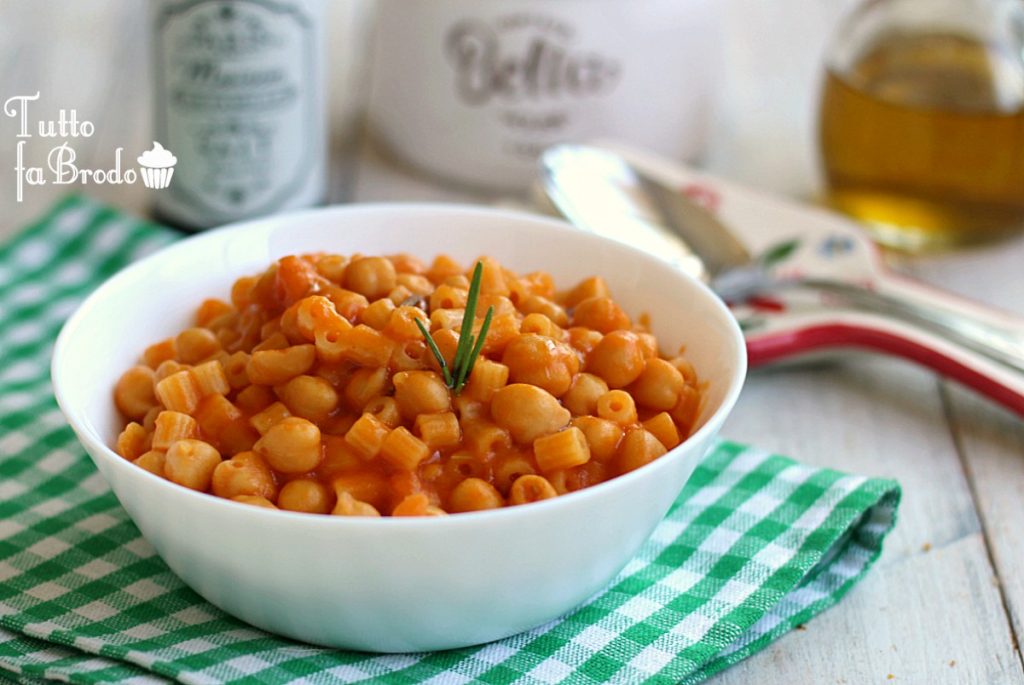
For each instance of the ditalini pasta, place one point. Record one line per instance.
(338, 385)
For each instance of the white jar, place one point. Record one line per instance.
(239, 103)
(474, 90)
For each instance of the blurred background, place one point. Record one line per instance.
(96, 57)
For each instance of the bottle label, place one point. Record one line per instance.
(499, 81)
(235, 102)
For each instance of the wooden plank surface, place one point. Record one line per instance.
(945, 603)
(932, 598)
(991, 441)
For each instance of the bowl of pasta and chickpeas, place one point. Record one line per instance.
(398, 428)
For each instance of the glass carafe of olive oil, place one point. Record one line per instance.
(922, 120)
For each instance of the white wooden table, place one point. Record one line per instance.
(945, 604)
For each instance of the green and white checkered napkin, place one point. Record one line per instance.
(755, 545)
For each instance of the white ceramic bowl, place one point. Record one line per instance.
(391, 585)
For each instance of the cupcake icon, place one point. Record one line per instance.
(157, 166)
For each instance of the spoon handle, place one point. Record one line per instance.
(891, 336)
(992, 334)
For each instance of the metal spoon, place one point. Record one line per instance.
(600, 191)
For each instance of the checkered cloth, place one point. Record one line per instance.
(755, 545)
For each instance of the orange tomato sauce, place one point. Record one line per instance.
(313, 389)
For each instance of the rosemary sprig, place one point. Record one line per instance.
(469, 347)
(437, 353)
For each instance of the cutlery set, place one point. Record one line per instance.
(800, 281)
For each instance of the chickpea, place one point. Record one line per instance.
(242, 291)
(373, 277)
(581, 398)
(638, 448)
(133, 394)
(539, 283)
(305, 495)
(584, 340)
(603, 436)
(417, 504)
(459, 281)
(196, 344)
(407, 264)
(291, 445)
(152, 461)
(420, 392)
(649, 345)
(255, 501)
(399, 295)
(447, 342)
(659, 386)
(492, 278)
(474, 494)
(310, 397)
(535, 304)
(594, 286)
(601, 314)
(442, 268)
(376, 315)
(133, 441)
(365, 384)
(191, 463)
(467, 408)
(527, 412)
(504, 329)
(349, 506)
(271, 340)
(272, 367)
(254, 398)
(158, 353)
(149, 421)
(685, 413)
(618, 359)
(168, 368)
(416, 284)
(246, 473)
(541, 361)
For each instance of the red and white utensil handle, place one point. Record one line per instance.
(1000, 330)
(914, 343)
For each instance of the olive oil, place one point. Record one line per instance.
(923, 139)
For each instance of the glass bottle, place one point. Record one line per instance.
(922, 120)
(239, 109)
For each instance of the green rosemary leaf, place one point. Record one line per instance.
(477, 347)
(468, 318)
(437, 353)
(468, 347)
